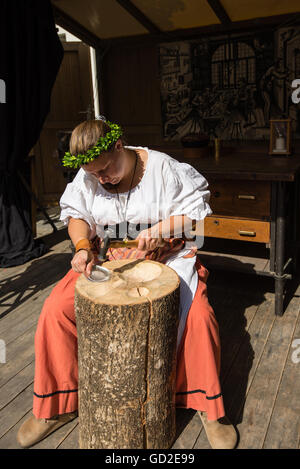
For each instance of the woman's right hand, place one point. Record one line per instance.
(83, 261)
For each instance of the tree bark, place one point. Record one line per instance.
(127, 334)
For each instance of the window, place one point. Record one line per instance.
(231, 64)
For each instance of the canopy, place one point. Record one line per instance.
(96, 21)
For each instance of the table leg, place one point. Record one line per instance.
(296, 225)
(273, 225)
(279, 255)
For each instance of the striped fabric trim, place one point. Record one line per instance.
(209, 398)
(42, 396)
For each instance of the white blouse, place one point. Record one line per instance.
(167, 188)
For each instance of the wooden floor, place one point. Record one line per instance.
(259, 376)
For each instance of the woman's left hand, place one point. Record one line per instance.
(149, 240)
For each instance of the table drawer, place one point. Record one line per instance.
(249, 199)
(244, 230)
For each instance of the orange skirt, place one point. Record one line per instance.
(56, 364)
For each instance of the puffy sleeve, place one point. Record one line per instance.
(186, 191)
(74, 203)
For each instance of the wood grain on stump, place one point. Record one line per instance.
(127, 333)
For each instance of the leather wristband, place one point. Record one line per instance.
(83, 244)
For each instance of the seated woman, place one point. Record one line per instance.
(121, 187)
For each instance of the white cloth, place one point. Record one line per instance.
(167, 188)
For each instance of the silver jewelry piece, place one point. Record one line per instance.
(99, 274)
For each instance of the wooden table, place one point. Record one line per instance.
(276, 180)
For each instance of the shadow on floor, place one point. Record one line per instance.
(16, 288)
(56, 237)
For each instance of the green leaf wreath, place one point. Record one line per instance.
(103, 144)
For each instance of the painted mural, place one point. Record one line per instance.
(229, 87)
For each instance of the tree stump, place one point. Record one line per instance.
(127, 334)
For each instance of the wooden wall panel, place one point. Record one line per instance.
(132, 92)
(63, 105)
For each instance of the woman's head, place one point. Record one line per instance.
(109, 167)
(86, 135)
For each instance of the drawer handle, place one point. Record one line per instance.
(247, 233)
(248, 197)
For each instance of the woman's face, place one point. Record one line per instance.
(109, 167)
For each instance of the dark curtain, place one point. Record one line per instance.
(30, 57)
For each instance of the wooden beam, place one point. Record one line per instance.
(68, 23)
(269, 23)
(139, 16)
(219, 11)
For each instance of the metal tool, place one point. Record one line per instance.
(100, 273)
(107, 243)
(118, 243)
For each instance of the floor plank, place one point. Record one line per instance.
(262, 390)
(19, 354)
(223, 261)
(190, 432)
(11, 414)
(16, 385)
(42, 273)
(284, 426)
(71, 441)
(25, 317)
(9, 439)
